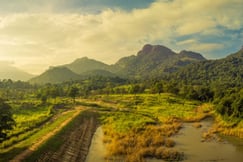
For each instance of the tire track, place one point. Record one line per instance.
(77, 142)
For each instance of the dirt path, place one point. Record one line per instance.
(77, 142)
(34, 147)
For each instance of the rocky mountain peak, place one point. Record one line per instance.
(191, 54)
(149, 49)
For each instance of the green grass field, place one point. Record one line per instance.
(139, 126)
(28, 117)
(161, 106)
(33, 120)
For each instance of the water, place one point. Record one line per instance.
(188, 141)
(97, 147)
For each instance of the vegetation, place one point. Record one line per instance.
(24, 117)
(15, 148)
(73, 92)
(6, 121)
(29, 118)
(223, 72)
(139, 126)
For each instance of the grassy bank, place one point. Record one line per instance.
(142, 142)
(8, 153)
(28, 117)
(227, 126)
(55, 142)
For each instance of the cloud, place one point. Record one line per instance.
(83, 6)
(193, 27)
(188, 41)
(205, 47)
(195, 45)
(52, 38)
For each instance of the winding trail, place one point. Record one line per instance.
(43, 139)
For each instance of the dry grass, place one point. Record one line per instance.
(238, 132)
(210, 136)
(151, 142)
(201, 112)
(229, 127)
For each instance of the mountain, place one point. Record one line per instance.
(55, 75)
(228, 70)
(155, 60)
(98, 72)
(7, 71)
(150, 61)
(85, 64)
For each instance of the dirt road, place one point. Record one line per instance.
(77, 141)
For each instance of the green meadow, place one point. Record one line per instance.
(140, 126)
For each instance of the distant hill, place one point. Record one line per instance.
(228, 70)
(7, 71)
(55, 75)
(85, 64)
(155, 60)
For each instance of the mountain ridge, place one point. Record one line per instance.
(152, 61)
(221, 71)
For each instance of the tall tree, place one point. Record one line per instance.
(73, 92)
(6, 120)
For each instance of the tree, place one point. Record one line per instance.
(136, 88)
(6, 120)
(73, 92)
(237, 106)
(192, 94)
(157, 88)
(224, 106)
(43, 98)
(204, 93)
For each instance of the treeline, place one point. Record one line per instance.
(10, 90)
(18, 90)
(228, 98)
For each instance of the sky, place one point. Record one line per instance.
(36, 34)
